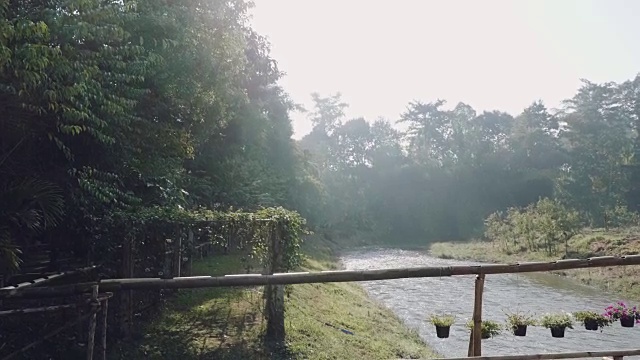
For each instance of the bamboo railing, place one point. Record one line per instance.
(315, 277)
(615, 354)
(130, 284)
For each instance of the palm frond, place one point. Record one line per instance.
(31, 203)
(9, 253)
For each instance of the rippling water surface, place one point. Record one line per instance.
(414, 299)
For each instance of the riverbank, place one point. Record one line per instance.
(623, 280)
(226, 323)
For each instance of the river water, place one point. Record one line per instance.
(413, 300)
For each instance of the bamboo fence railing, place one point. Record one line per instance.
(315, 277)
(481, 271)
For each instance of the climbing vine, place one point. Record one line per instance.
(256, 230)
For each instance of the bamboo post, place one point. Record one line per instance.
(190, 253)
(177, 256)
(103, 333)
(166, 267)
(275, 293)
(92, 322)
(126, 311)
(477, 316)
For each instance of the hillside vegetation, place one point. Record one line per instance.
(224, 323)
(548, 230)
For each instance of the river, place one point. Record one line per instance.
(413, 300)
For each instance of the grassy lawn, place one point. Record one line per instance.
(227, 323)
(623, 280)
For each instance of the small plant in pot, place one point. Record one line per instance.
(627, 316)
(489, 328)
(518, 323)
(557, 323)
(592, 320)
(443, 324)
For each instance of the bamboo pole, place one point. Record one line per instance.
(177, 256)
(92, 322)
(126, 297)
(45, 279)
(275, 293)
(477, 316)
(548, 356)
(317, 277)
(103, 333)
(49, 308)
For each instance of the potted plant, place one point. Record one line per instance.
(489, 328)
(620, 311)
(557, 323)
(592, 320)
(518, 323)
(443, 324)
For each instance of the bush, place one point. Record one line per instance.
(544, 225)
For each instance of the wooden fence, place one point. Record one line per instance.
(481, 271)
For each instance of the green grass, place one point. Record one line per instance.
(227, 323)
(623, 280)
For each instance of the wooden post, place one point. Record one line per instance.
(190, 253)
(92, 322)
(477, 316)
(126, 297)
(166, 267)
(177, 256)
(103, 333)
(275, 293)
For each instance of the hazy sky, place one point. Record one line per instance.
(491, 54)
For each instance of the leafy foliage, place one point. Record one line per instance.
(561, 320)
(584, 316)
(544, 225)
(516, 319)
(489, 328)
(442, 320)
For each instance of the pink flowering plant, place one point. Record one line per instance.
(621, 311)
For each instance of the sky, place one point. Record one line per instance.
(490, 54)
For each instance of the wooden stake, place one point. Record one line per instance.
(166, 266)
(125, 314)
(275, 293)
(92, 322)
(103, 334)
(477, 316)
(177, 256)
(190, 253)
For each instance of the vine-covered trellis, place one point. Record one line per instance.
(162, 242)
